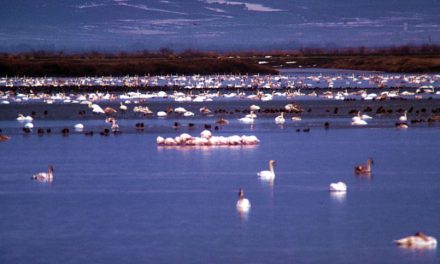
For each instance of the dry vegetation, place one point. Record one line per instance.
(395, 59)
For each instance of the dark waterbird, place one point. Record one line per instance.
(105, 132)
(140, 126)
(65, 131)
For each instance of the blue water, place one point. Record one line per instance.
(122, 199)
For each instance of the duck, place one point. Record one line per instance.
(364, 168)
(418, 240)
(243, 204)
(4, 138)
(404, 118)
(205, 110)
(222, 121)
(44, 176)
(279, 120)
(109, 110)
(268, 174)
(338, 187)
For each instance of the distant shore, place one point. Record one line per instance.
(396, 60)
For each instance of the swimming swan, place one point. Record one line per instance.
(79, 127)
(357, 121)
(338, 187)
(96, 108)
(44, 176)
(364, 168)
(404, 118)
(418, 240)
(243, 204)
(268, 174)
(247, 119)
(24, 118)
(123, 107)
(279, 120)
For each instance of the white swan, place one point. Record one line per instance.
(115, 126)
(247, 119)
(123, 107)
(357, 121)
(96, 108)
(279, 120)
(268, 174)
(24, 118)
(338, 187)
(44, 176)
(180, 110)
(364, 116)
(251, 115)
(79, 127)
(419, 240)
(188, 114)
(403, 118)
(254, 107)
(243, 204)
(361, 117)
(29, 125)
(162, 114)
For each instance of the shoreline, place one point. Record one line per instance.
(78, 65)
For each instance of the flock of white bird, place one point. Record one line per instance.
(207, 139)
(210, 93)
(303, 80)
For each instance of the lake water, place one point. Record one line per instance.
(122, 199)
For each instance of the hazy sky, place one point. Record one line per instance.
(215, 24)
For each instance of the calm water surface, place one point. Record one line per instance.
(122, 199)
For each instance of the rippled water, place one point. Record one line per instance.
(122, 199)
